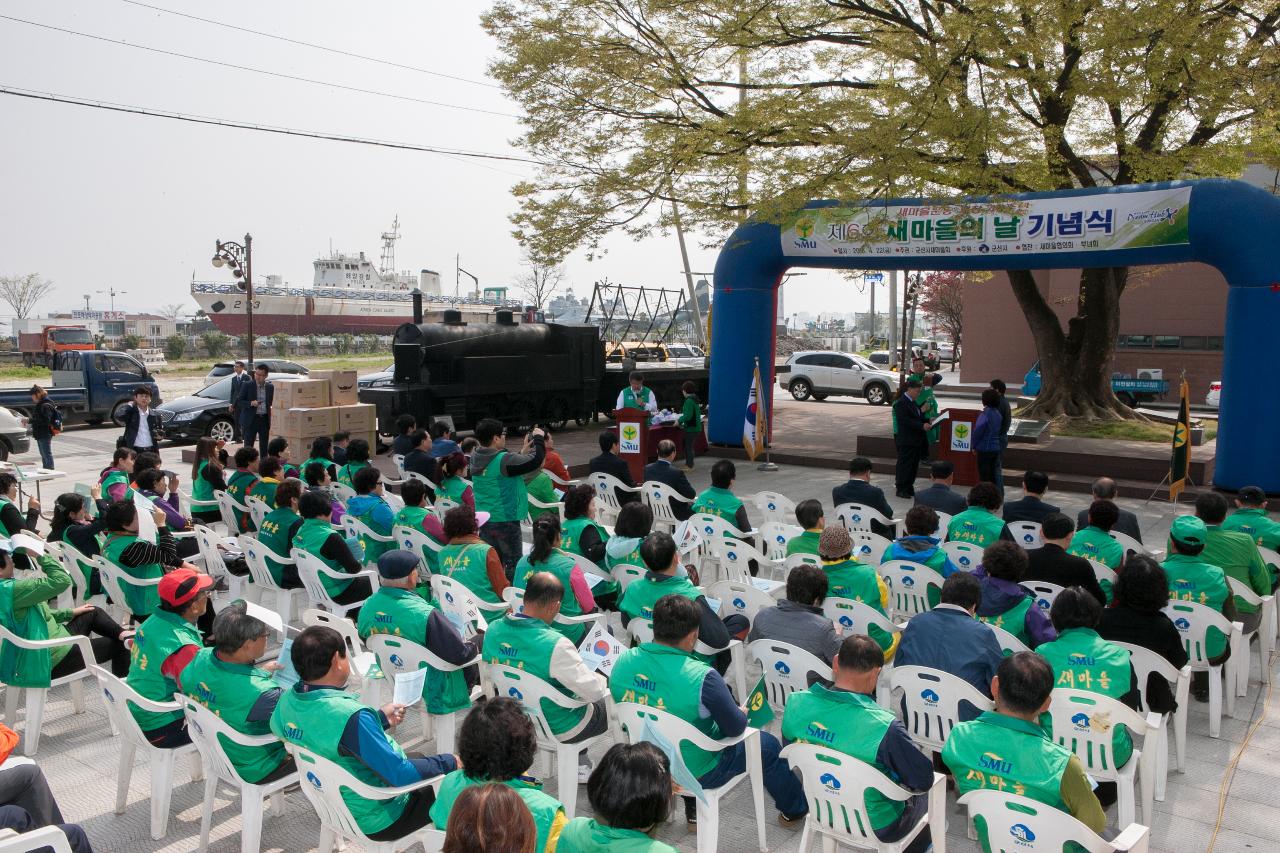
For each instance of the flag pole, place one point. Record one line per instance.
(762, 418)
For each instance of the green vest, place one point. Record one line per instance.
(542, 489)
(116, 477)
(403, 613)
(561, 565)
(239, 486)
(1002, 753)
(1257, 524)
(976, 525)
(523, 642)
(311, 537)
(23, 667)
(859, 582)
(265, 491)
(719, 502)
(670, 679)
(1191, 579)
(571, 534)
(804, 543)
(1013, 620)
(162, 634)
(632, 400)
(544, 807)
(638, 599)
(504, 498)
(466, 564)
(202, 489)
(1082, 660)
(347, 472)
(631, 558)
(452, 488)
(585, 835)
(1095, 544)
(315, 720)
(231, 690)
(690, 416)
(412, 518)
(141, 600)
(275, 535)
(1237, 555)
(374, 549)
(848, 723)
(327, 463)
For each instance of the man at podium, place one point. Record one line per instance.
(636, 396)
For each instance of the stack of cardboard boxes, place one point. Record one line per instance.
(320, 405)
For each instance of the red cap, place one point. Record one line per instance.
(179, 586)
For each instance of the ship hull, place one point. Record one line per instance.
(302, 316)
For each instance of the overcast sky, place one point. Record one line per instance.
(96, 199)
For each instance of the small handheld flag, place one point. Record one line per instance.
(759, 711)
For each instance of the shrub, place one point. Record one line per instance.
(175, 346)
(343, 343)
(281, 341)
(129, 342)
(215, 343)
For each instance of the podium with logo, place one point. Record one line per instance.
(955, 444)
(633, 440)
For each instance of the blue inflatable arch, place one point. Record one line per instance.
(1229, 225)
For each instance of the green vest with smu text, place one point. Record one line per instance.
(1095, 544)
(1191, 579)
(231, 690)
(561, 565)
(452, 488)
(718, 502)
(347, 472)
(670, 679)
(1013, 620)
(403, 613)
(311, 537)
(1082, 660)
(141, 600)
(584, 835)
(162, 634)
(571, 534)
(544, 807)
(373, 549)
(315, 721)
(412, 518)
(23, 667)
(202, 489)
(858, 582)
(275, 535)
(504, 498)
(639, 598)
(976, 525)
(526, 643)
(632, 400)
(1257, 524)
(849, 723)
(467, 564)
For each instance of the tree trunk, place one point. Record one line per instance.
(1075, 365)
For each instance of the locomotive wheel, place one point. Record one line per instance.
(556, 414)
(522, 415)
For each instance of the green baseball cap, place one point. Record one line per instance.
(1188, 530)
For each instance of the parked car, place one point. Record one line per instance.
(15, 433)
(1128, 390)
(1215, 392)
(928, 349)
(377, 379)
(274, 365)
(686, 355)
(822, 374)
(206, 412)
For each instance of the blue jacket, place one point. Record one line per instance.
(918, 549)
(986, 432)
(383, 516)
(951, 640)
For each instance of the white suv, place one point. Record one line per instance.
(822, 374)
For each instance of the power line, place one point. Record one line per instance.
(281, 75)
(264, 128)
(336, 50)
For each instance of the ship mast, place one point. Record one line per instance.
(388, 263)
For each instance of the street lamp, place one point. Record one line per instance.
(239, 257)
(113, 292)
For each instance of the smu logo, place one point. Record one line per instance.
(929, 696)
(382, 618)
(1184, 584)
(314, 780)
(1075, 659)
(293, 732)
(1021, 832)
(644, 682)
(781, 666)
(991, 761)
(507, 650)
(1080, 721)
(830, 782)
(204, 694)
(817, 731)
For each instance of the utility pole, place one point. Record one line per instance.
(893, 313)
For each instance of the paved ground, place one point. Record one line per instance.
(80, 758)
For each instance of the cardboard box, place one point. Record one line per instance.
(301, 394)
(359, 419)
(343, 390)
(299, 421)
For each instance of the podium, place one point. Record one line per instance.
(955, 444)
(633, 440)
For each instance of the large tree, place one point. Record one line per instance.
(23, 292)
(736, 106)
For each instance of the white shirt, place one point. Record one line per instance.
(650, 405)
(143, 438)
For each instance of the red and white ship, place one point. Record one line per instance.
(348, 294)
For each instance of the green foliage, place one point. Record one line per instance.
(369, 343)
(281, 342)
(343, 343)
(175, 346)
(129, 342)
(215, 344)
(313, 344)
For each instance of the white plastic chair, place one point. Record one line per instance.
(931, 703)
(563, 484)
(800, 560)
(1263, 634)
(116, 580)
(537, 508)
(258, 510)
(256, 555)
(397, 459)
(662, 499)
(363, 662)
(1193, 622)
(786, 669)
(353, 526)
(396, 655)
(531, 691)
(854, 617)
(416, 541)
(1106, 577)
(775, 506)
(835, 785)
(323, 783)
(909, 585)
(514, 598)
(117, 696)
(209, 542)
(443, 505)
(72, 562)
(208, 731)
(1146, 663)
(1272, 559)
(1027, 534)
(36, 696)
(1009, 644)
(1034, 827)
(608, 487)
(633, 718)
(965, 555)
(625, 574)
(869, 547)
(855, 516)
(1045, 593)
(1133, 546)
(46, 837)
(710, 526)
(1074, 715)
(453, 597)
(228, 507)
(310, 571)
(393, 500)
(944, 522)
(343, 492)
(774, 536)
(739, 597)
(734, 557)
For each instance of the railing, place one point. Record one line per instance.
(335, 293)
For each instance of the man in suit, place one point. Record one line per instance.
(608, 462)
(1052, 564)
(939, 495)
(911, 438)
(1104, 489)
(1031, 506)
(254, 406)
(665, 471)
(142, 430)
(238, 378)
(858, 490)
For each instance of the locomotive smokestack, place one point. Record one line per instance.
(453, 317)
(505, 318)
(417, 305)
